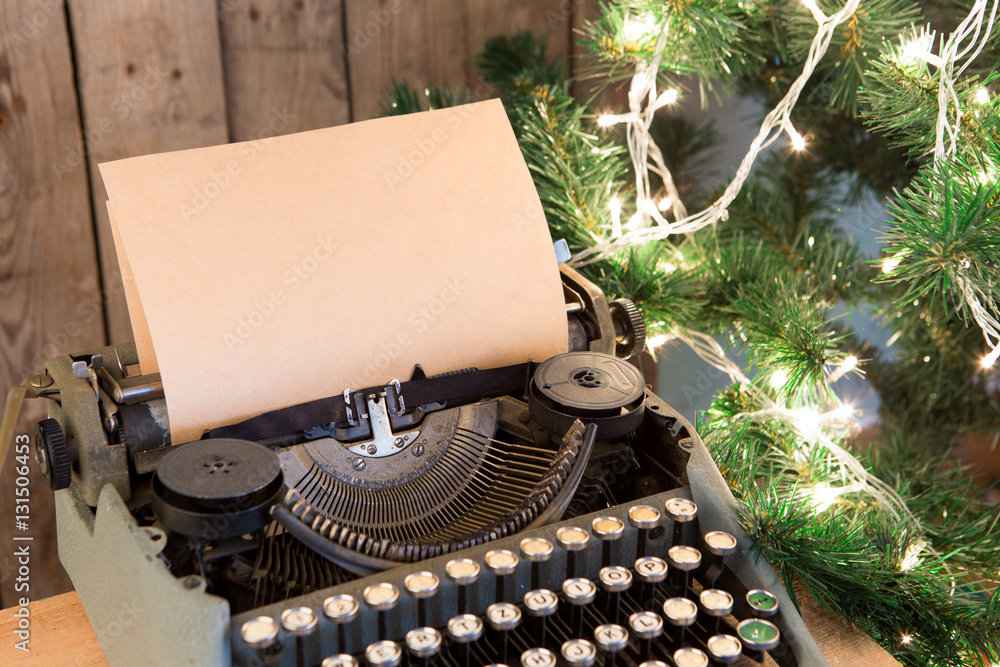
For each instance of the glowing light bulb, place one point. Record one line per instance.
(667, 97)
(634, 222)
(890, 264)
(991, 358)
(666, 266)
(779, 379)
(798, 143)
(665, 203)
(655, 342)
(638, 27)
(982, 96)
(822, 496)
(615, 206)
(812, 241)
(912, 556)
(907, 639)
(606, 120)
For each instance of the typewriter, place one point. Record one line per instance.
(550, 513)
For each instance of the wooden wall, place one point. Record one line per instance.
(84, 82)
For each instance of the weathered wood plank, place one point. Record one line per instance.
(284, 66)
(49, 288)
(150, 77)
(550, 20)
(422, 41)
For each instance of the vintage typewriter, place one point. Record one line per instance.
(550, 513)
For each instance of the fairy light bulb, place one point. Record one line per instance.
(615, 206)
(891, 263)
(798, 143)
(655, 342)
(779, 379)
(606, 120)
(982, 96)
(912, 556)
(667, 97)
(991, 358)
(665, 203)
(638, 27)
(634, 222)
(822, 496)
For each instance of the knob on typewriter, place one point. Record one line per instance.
(466, 630)
(646, 625)
(579, 653)
(612, 639)
(382, 598)
(608, 529)
(503, 617)
(690, 657)
(725, 648)
(763, 604)
(716, 603)
(260, 633)
(572, 539)
(579, 593)
(383, 654)
(421, 586)
(536, 550)
(341, 660)
(643, 518)
(540, 604)
(683, 560)
(615, 580)
(682, 512)
(464, 572)
(650, 570)
(680, 613)
(424, 643)
(341, 610)
(299, 622)
(538, 657)
(758, 634)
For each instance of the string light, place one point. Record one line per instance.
(890, 264)
(912, 556)
(982, 96)
(779, 379)
(667, 97)
(615, 205)
(798, 143)
(991, 358)
(665, 204)
(907, 639)
(823, 495)
(849, 363)
(655, 342)
(637, 28)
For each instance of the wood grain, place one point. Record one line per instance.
(61, 630)
(284, 67)
(424, 42)
(150, 80)
(49, 287)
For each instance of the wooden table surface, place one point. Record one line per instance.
(61, 635)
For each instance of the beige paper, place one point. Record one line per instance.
(283, 270)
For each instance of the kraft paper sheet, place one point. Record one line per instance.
(278, 271)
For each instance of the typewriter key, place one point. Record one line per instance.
(680, 613)
(424, 643)
(758, 634)
(690, 657)
(719, 544)
(381, 597)
(643, 518)
(579, 653)
(384, 654)
(341, 609)
(763, 604)
(579, 593)
(646, 625)
(653, 663)
(259, 633)
(615, 580)
(608, 529)
(501, 563)
(463, 572)
(612, 639)
(682, 512)
(540, 604)
(716, 602)
(465, 630)
(572, 539)
(725, 648)
(650, 570)
(503, 617)
(536, 550)
(682, 559)
(299, 622)
(342, 660)
(538, 657)
(421, 585)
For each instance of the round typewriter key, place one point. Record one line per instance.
(260, 632)
(503, 616)
(579, 652)
(612, 639)
(716, 602)
(421, 584)
(651, 569)
(763, 604)
(465, 628)
(643, 517)
(540, 602)
(384, 654)
(758, 634)
(340, 608)
(646, 624)
(725, 648)
(423, 642)
(299, 621)
(462, 571)
(680, 509)
(615, 579)
(342, 660)
(680, 612)
(684, 558)
(501, 562)
(653, 663)
(536, 549)
(572, 538)
(579, 593)
(690, 657)
(720, 543)
(607, 527)
(538, 657)
(381, 597)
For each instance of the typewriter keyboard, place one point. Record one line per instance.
(635, 585)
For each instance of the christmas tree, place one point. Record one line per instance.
(883, 97)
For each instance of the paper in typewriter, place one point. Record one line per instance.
(278, 271)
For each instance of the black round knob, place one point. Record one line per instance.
(630, 329)
(53, 454)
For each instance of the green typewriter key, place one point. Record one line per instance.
(579, 593)
(690, 657)
(464, 572)
(682, 512)
(719, 544)
(503, 617)
(650, 570)
(612, 639)
(536, 550)
(539, 604)
(538, 657)
(381, 597)
(646, 625)
(465, 630)
(683, 560)
(609, 530)
(342, 660)
(572, 539)
(260, 634)
(421, 585)
(423, 644)
(758, 634)
(615, 580)
(299, 622)
(341, 610)
(725, 648)
(383, 654)
(644, 519)
(763, 604)
(579, 653)
(502, 563)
